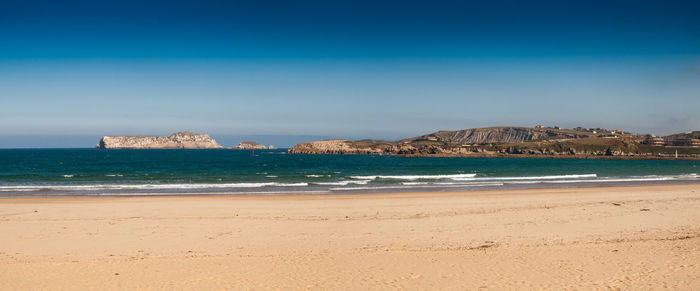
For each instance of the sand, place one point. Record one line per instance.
(629, 238)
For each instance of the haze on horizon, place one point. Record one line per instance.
(293, 70)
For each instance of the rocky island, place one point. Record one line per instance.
(178, 140)
(251, 145)
(539, 141)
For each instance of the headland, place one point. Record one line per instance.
(529, 142)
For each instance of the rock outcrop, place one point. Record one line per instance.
(489, 135)
(506, 142)
(251, 145)
(178, 140)
(363, 147)
(339, 146)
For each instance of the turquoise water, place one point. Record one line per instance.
(170, 172)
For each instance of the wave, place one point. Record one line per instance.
(317, 176)
(414, 183)
(551, 177)
(414, 177)
(453, 184)
(456, 185)
(341, 183)
(470, 184)
(243, 193)
(631, 179)
(68, 176)
(471, 177)
(559, 179)
(146, 186)
(685, 177)
(363, 183)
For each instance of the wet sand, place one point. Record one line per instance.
(637, 237)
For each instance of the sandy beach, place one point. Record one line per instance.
(629, 238)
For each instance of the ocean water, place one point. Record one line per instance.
(78, 172)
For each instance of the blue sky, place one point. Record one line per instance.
(73, 71)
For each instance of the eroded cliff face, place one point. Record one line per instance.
(355, 147)
(247, 145)
(501, 142)
(178, 140)
(332, 147)
(410, 147)
(488, 135)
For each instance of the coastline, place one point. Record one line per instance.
(647, 157)
(374, 194)
(589, 237)
(582, 157)
(362, 191)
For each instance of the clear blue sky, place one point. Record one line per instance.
(75, 70)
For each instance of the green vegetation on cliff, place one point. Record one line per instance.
(510, 141)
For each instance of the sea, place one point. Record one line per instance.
(95, 172)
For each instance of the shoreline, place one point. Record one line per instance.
(517, 156)
(627, 237)
(669, 157)
(581, 157)
(409, 192)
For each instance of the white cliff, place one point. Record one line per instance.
(178, 140)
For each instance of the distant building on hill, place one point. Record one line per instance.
(672, 141)
(683, 142)
(539, 126)
(655, 141)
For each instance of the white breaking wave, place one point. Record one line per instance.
(470, 184)
(18, 190)
(414, 177)
(418, 186)
(148, 186)
(317, 176)
(555, 179)
(471, 177)
(552, 177)
(632, 179)
(685, 177)
(342, 183)
(458, 180)
(68, 176)
(453, 183)
(286, 192)
(414, 183)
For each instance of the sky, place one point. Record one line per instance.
(290, 71)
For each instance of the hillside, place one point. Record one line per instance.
(498, 135)
(691, 134)
(508, 142)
